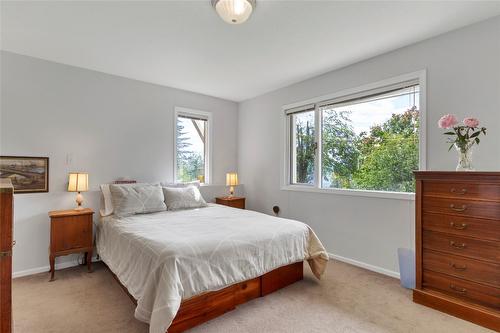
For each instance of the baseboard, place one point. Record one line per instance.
(365, 265)
(46, 269)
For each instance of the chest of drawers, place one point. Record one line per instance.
(458, 244)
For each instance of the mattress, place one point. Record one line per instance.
(166, 257)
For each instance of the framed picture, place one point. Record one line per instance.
(28, 174)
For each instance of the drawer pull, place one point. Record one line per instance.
(458, 268)
(461, 226)
(461, 192)
(458, 246)
(462, 291)
(461, 209)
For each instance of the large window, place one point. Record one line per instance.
(362, 141)
(191, 146)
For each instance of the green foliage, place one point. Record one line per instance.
(389, 154)
(464, 137)
(340, 153)
(189, 164)
(305, 152)
(383, 159)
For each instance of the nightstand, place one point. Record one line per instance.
(236, 202)
(70, 232)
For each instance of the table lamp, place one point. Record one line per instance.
(78, 182)
(231, 180)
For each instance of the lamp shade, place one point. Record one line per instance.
(232, 179)
(78, 182)
(234, 11)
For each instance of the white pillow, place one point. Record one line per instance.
(130, 199)
(177, 185)
(106, 202)
(183, 198)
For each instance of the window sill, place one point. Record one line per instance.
(350, 192)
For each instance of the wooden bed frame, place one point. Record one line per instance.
(204, 307)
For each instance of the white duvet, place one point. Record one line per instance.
(164, 258)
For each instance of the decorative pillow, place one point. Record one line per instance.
(183, 198)
(130, 199)
(177, 185)
(106, 201)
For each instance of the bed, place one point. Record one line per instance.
(184, 267)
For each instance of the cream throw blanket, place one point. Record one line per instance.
(166, 257)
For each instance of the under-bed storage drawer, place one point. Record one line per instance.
(202, 308)
(247, 290)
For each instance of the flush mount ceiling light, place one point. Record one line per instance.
(234, 11)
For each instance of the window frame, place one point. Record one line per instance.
(187, 112)
(286, 172)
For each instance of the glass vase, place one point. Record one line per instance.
(464, 157)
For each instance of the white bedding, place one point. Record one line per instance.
(163, 258)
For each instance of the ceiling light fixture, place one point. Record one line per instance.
(234, 11)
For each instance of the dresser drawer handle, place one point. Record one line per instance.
(461, 209)
(458, 246)
(462, 291)
(461, 192)
(459, 268)
(461, 226)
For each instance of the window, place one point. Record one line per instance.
(191, 145)
(367, 140)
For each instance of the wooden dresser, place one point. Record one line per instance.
(458, 244)
(6, 243)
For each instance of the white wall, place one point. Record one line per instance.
(111, 126)
(463, 77)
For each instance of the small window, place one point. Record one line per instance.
(191, 146)
(363, 141)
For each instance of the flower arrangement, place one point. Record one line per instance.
(463, 137)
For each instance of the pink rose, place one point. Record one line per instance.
(471, 122)
(447, 121)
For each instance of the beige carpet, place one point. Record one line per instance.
(347, 300)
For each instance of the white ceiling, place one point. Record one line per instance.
(184, 44)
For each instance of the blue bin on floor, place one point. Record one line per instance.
(407, 267)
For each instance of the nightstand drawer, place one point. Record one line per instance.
(72, 232)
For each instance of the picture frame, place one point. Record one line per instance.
(28, 174)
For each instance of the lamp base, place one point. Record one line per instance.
(79, 201)
(231, 192)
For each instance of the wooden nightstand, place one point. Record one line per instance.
(236, 202)
(70, 232)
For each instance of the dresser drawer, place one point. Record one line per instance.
(461, 207)
(468, 247)
(460, 267)
(463, 289)
(462, 190)
(462, 226)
